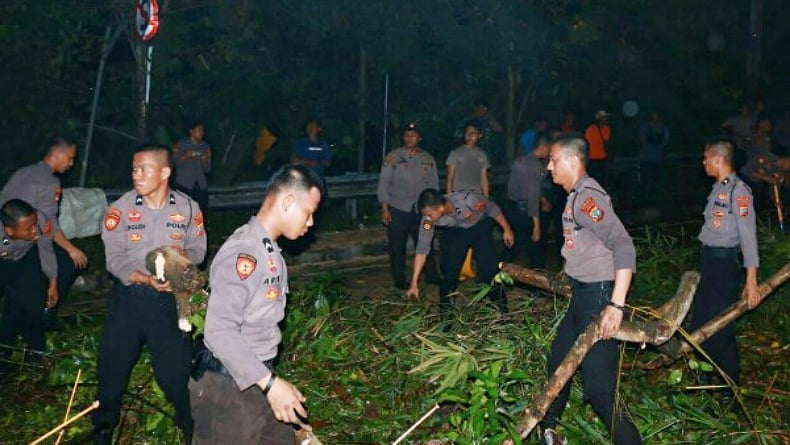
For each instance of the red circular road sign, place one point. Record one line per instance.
(146, 19)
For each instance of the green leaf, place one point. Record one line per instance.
(675, 376)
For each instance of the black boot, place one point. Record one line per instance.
(102, 436)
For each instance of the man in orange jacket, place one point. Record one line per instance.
(598, 135)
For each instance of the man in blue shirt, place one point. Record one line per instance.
(312, 151)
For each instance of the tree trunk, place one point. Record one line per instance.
(668, 318)
(538, 278)
(677, 347)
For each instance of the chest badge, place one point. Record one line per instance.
(134, 215)
(271, 293)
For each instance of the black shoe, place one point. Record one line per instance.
(727, 400)
(102, 436)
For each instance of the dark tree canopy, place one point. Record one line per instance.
(246, 64)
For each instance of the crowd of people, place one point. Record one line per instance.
(230, 393)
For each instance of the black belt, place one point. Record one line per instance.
(720, 252)
(204, 360)
(580, 285)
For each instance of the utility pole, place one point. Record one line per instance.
(755, 48)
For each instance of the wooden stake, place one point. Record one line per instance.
(71, 401)
(90, 408)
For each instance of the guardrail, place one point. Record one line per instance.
(682, 170)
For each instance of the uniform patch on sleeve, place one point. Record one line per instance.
(112, 218)
(47, 229)
(743, 205)
(199, 220)
(480, 206)
(245, 265)
(591, 209)
(427, 224)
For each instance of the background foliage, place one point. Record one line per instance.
(245, 64)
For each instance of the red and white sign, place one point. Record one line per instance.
(146, 19)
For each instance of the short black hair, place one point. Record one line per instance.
(195, 122)
(59, 142)
(722, 146)
(429, 198)
(293, 177)
(155, 148)
(14, 210)
(573, 143)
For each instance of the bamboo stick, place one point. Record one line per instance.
(71, 401)
(90, 408)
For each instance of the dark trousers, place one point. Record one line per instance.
(224, 415)
(523, 225)
(25, 288)
(455, 243)
(599, 368)
(137, 315)
(719, 287)
(67, 272)
(403, 226)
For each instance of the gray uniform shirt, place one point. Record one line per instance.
(468, 208)
(193, 169)
(469, 164)
(404, 175)
(596, 242)
(247, 303)
(38, 186)
(524, 182)
(730, 219)
(14, 250)
(131, 230)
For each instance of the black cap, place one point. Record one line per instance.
(411, 126)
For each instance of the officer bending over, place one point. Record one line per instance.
(467, 217)
(27, 276)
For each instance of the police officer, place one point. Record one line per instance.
(27, 276)
(468, 165)
(524, 190)
(141, 309)
(236, 397)
(467, 219)
(405, 172)
(600, 259)
(37, 185)
(192, 160)
(729, 229)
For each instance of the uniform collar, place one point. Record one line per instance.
(728, 179)
(139, 199)
(578, 184)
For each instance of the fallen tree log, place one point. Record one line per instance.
(540, 279)
(669, 316)
(676, 348)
